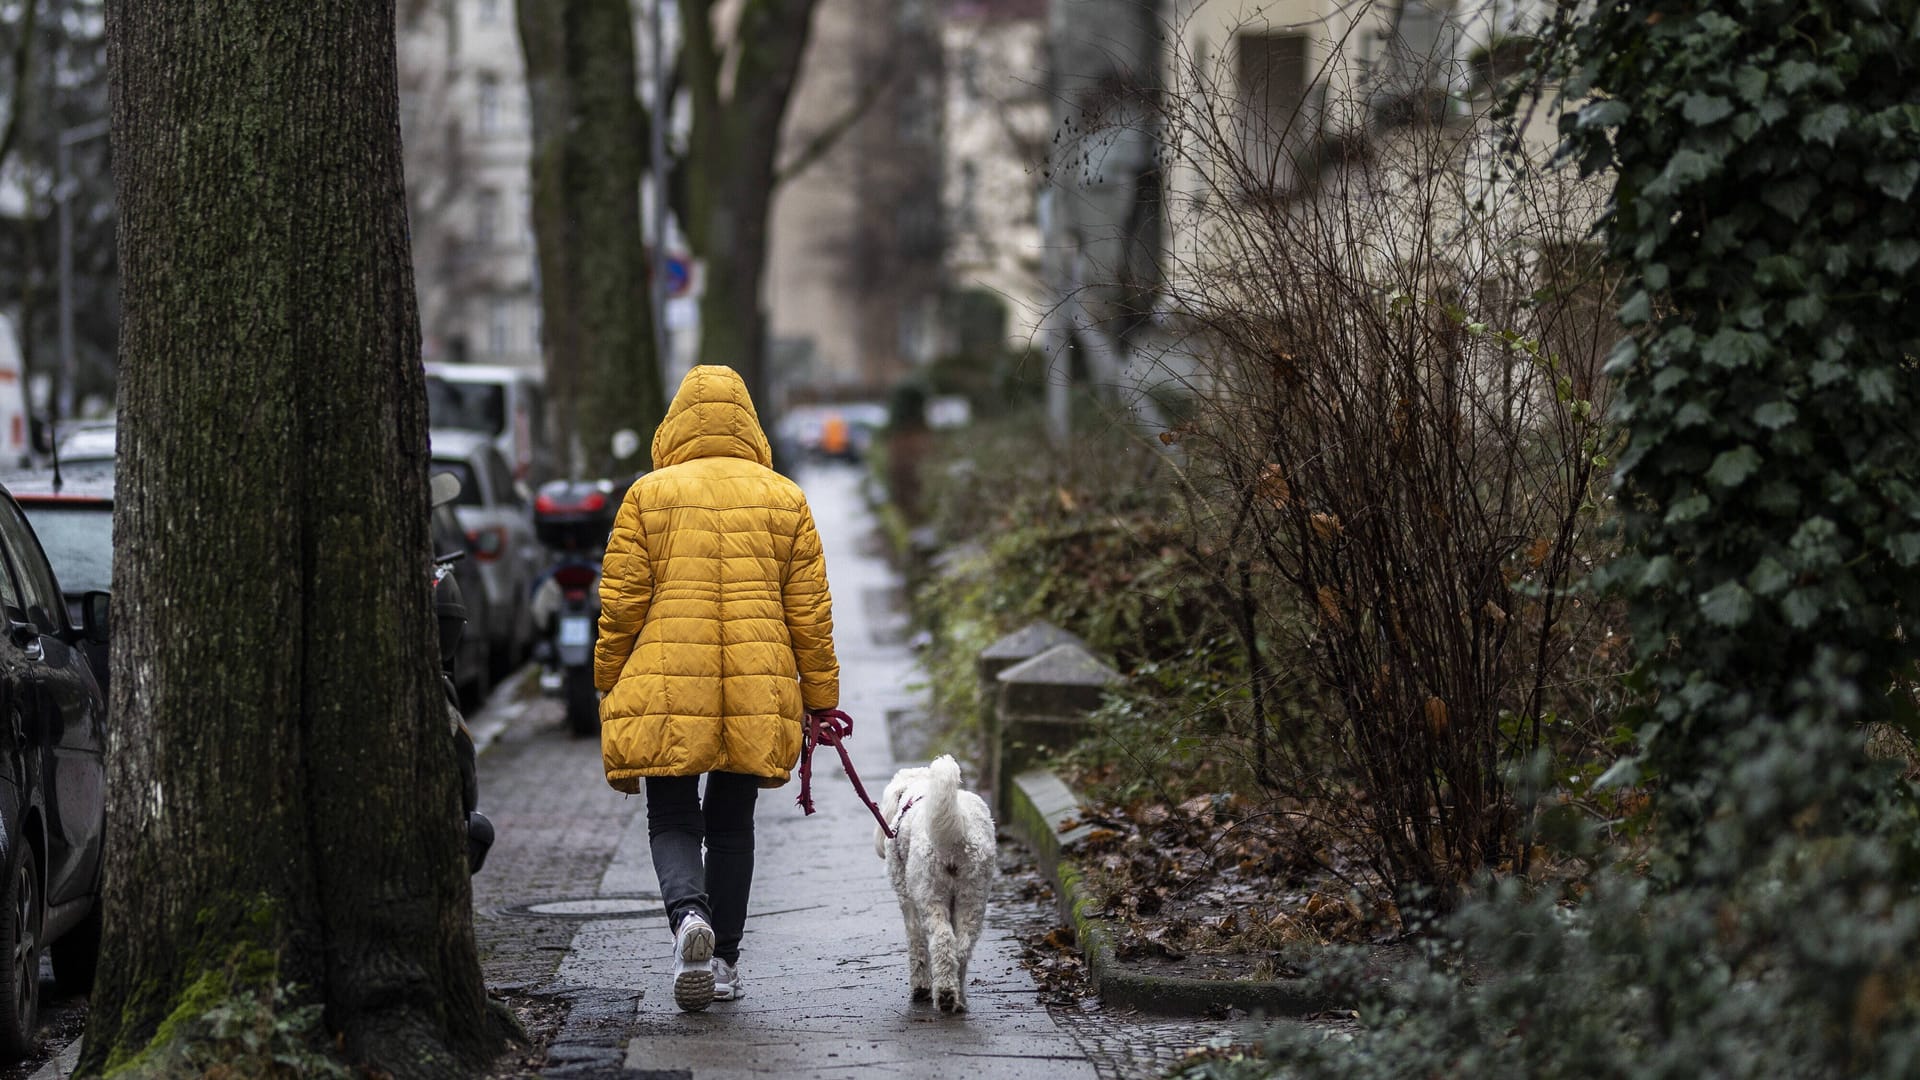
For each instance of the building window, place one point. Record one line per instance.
(489, 105)
(1271, 71)
(486, 214)
(497, 326)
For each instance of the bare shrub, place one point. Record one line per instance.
(1391, 339)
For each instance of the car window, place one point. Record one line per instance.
(10, 595)
(469, 489)
(78, 540)
(466, 406)
(448, 537)
(501, 480)
(45, 608)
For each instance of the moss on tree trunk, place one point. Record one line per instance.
(283, 803)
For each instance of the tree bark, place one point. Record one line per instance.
(588, 154)
(739, 88)
(282, 798)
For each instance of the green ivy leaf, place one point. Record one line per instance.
(1806, 310)
(1825, 373)
(1876, 386)
(1768, 577)
(1603, 114)
(1796, 74)
(1791, 197)
(1896, 179)
(1732, 467)
(1683, 168)
(1899, 255)
(1825, 125)
(1692, 414)
(1802, 608)
(1688, 509)
(1775, 415)
(1728, 604)
(1704, 109)
(1733, 349)
(1636, 310)
(1905, 548)
(1750, 83)
(1621, 356)
(1661, 571)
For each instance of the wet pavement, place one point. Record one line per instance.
(568, 905)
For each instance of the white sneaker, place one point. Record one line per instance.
(693, 963)
(726, 981)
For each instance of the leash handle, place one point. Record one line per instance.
(831, 727)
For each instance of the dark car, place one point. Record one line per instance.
(75, 527)
(493, 510)
(52, 779)
(470, 664)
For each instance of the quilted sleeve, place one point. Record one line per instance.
(809, 611)
(626, 589)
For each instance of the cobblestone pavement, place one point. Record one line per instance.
(823, 960)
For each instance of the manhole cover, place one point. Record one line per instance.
(591, 907)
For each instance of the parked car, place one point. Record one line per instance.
(75, 527)
(88, 444)
(52, 782)
(493, 510)
(472, 661)
(507, 404)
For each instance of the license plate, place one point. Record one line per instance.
(576, 630)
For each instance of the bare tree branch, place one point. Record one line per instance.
(823, 141)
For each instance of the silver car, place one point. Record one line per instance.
(493, 510)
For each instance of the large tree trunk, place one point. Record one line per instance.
(588, 152)
(740, 85)
(283, 802)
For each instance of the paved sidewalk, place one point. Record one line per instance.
(824, 961)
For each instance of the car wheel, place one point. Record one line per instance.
(23, 917)
(76, 953)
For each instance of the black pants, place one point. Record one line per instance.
(677, 823)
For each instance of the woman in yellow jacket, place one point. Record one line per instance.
(716, 636)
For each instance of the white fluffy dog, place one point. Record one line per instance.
(941, 861)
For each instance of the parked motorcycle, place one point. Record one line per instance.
(573, 518)
(450, 612)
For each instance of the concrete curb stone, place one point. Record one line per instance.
(1042, 805)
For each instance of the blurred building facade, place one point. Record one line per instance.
(465, 125)
(997, 121)
(856, 278)
(1291, 84)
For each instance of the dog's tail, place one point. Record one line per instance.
(943, 785)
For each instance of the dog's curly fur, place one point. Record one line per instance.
(941, 862)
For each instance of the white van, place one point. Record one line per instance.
(507, 404)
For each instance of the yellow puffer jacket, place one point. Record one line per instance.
(716, 627)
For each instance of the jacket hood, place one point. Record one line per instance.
(711, 416)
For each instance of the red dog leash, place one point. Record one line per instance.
(831, 727)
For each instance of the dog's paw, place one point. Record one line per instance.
(948, 1000)
(923, 993)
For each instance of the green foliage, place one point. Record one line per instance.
(1765, 163)
(237, 1019)
(1766, 155)
(1083, 541)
